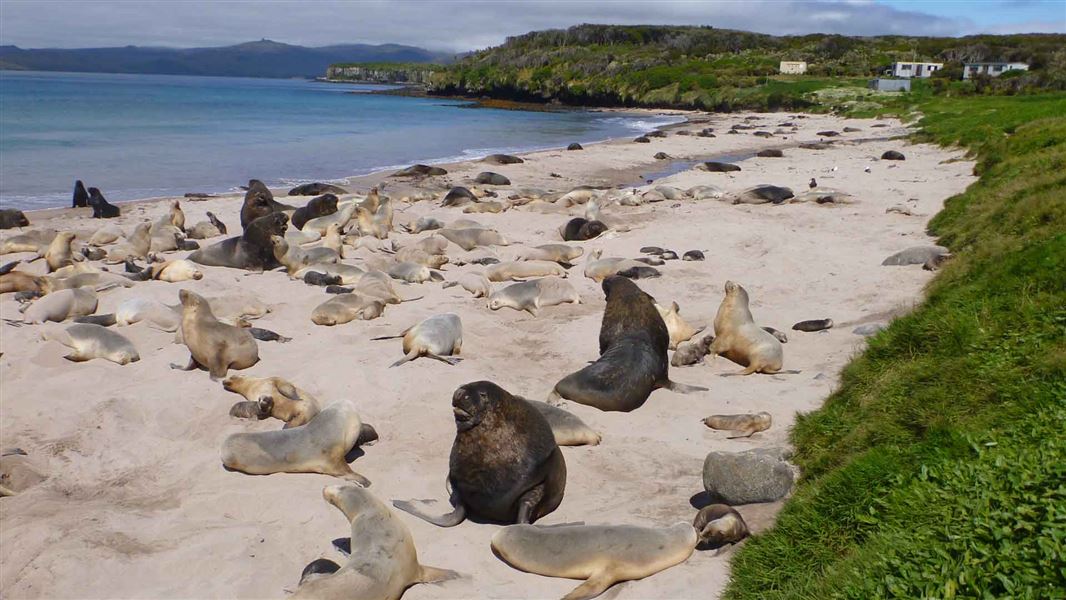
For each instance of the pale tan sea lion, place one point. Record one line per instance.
(75, 268)
(212, 344)
(486, 206)
(738, 338)
(349, 274)
(680, 331)
(439, 337)
(602, 555)
(165, 237)
(420, 256)
(341, 217)
(563, 254)
(108, 234)
(62, 305)
(375, 218)
(20, 281)
(383, 559)
(288, 403)
(344, 308)
(59, 253)
(89, 341)
(598, 269)
(568, 428)
(176, 216)
(295, 258)
(531, 296)
(317, 447)
(99, 281)
(210, 228)
(475, 283)
(136, 246)
(159, 315)
(432, 244)
(744, 425)
(377, 284)
(176, 271)
(298, 238)
(333, 240)
(468, 239)
(34, 240)
(413, 273)
(524, 269)
(719, 524)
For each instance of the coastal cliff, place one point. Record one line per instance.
(412, 74)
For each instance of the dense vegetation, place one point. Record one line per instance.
(938, 469)
(716, 69)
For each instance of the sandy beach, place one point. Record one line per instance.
(137, 504)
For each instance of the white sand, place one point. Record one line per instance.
(137, 503)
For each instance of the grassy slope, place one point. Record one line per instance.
(938, 469)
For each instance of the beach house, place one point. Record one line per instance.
(908, 70)
(793, 67)
(992, 69)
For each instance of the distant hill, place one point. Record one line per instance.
(264, 58)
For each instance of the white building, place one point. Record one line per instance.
(793, 67)
(908, 70)
(993, 69)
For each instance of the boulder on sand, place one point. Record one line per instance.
(760, 475)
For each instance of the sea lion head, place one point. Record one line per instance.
(736, 293)
(193, 301)
(618, 286)
(350, 499)
(472, 402)
(593, 229)
(719, 524)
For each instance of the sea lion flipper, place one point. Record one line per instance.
(451, 360)
(458, 515)
(406, 357)
(75, 357)
(593, 586)
(682, 388)
(355, 478)
(435, 575)
(745, 433)
(189, 367)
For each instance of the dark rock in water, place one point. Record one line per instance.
(718, 167)
(761, 194)
(657, 133)
(317, 278)
(816, 146)
(851, 129)
(661, 156)
(893, 155)
(652, 250)
(760, 475)
(917, 255)
(12, 217)
(763, 134)
(579, 229)
(81, 197)
(503, 159)
(829, 133)
(490, 178)
(770, 153)
(458, 196)
(813, 325)
(102, 209)
(198, 195)
(642, 140)
(420, 171)
(316, 189)
(326, 204)
(575, 146)
(668, 255)
(640, 273)
(693, 255)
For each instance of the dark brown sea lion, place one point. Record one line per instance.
(12, 217)
(259, 202)
(321, 206)
(81, 197)
(101, 208)
(633, 358)
(251, 251)
(579, 229)
(505, 465)
(316, 189)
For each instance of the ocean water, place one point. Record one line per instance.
(142, 136)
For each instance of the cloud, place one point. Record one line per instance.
(455, 25)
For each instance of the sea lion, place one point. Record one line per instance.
(212, 344)
(580, 229)
(320, 206)
(375, 218)
(166, 238)
(769, 152)
(108, 234)
(295, 258)
(210, 228)
(88, 341)
(272, 397)
(486, 206)
(420, 170)
(102, 209)
(577, 196)
(718, 167)
(599, 269)
(739, 339)
(98, 280)
(560, 253)
(490, 178)
(915, 255)
(633, 354)
(345, 308)
(319, 446)
(432, 244)
(505, 465)
(341, 217)
(680, 331)
(348, 274)
(458, 196)
(413, 272)
(157, 314)
(533, 295)
(439, 337)
(59, 253)
(376, 284)
(602, 555)
(81, 197)
(706, 192)
(503, 159)
(813, 325)
(299, 238)
(525, 269)
(251, 251)
(383, 560)
(575, 146)
(744, 425)
(567, 428)
(34, 240)
(475, 283)
(12, 217)
(470, 238)
(316, 189)
(259, 202)
(693, 255)
(780, 335)
(137, 245)
(893, 155)
(176, 216)
(420, 256)
(761, 194)
(425, 224)
(174, 271)
(717, 525)
(691, 352)
(20, 281)
(62, 305)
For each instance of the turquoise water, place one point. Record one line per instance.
(142, 136)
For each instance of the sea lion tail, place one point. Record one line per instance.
(435, 575)
(682, 388)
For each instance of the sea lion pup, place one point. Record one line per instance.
(680, 331)
(471, 238)
(579, 230)
(62, 305)
(739, 339)
(633, 361)
(320, 206)
(35, 240)
(137, 245)
(88, 341)
(568, 428)
(420, 256)
(213, 345)
(375, 216)
(108, 234)
(780, 335)
(102, 209)
(288, 403)
(439, 337)
(59, 253)
(345, 308)
(294, 258)
(745, 425)
(691, 352)
(413, 273)
(341, 217)
(383, 561)
(533, 295)
(486, 206)
(424, 224)
(505, 465)
(348, 274)
(81, 197)
(717, 525)
(599, 269)
(173, 271)
(813, 325)
(316, 447)
(524, 269)
(475, 283)
(210, 228)
(20, 281)
(560, 253)
(251, 251)
(602, 555)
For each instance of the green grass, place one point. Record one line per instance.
(938, 469)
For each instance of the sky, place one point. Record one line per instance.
(461, 25)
